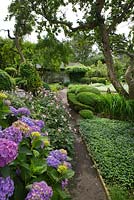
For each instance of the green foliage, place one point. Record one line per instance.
(117, 107)
(4, 110)
(119, 193)
(90, 99)
(6, 82)
(11, 70)
(32, 79)
(75, 104)
(76, 72)
(46, 86)
(55, 87)
(85, 80)
(111, 145)
(86, 114)
(82, 88)
(98, 80)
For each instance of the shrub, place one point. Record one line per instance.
(98, 80)
(85, 80)
(6, 82)
(55, 87)
(76, 72)
(88, 89)
(90, 99)
(29, 73)
(86, 114)
(75, 104)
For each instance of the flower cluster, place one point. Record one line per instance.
(6, 188)
(22, 126)
(58, 160)
(20, 111)
(12, 133)
(40, 190)
(64, 183)
(8, 151)
(2, 95)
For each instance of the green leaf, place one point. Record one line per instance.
(38, 166)
(5, 171)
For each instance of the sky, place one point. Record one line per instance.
(122, 28)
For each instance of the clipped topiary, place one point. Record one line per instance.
(6, 82)
(74, 104)
(87, 89)
(90, 99)
(86, 114)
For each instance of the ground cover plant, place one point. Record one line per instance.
(30, 167)
(111, 144)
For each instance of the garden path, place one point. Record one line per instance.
(86, 184)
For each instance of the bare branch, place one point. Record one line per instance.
(8, 33)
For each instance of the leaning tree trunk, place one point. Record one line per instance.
(129, 75)
(109, 61)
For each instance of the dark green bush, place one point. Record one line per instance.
(29, 73)
(85, 80)
(74, 104)
(86, 114)
(90, 99)
(6, 81)
(98, 80)
(111, 143)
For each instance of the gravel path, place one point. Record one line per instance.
(86, 184)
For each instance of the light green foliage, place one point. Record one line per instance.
(32, 79)
(55, 87)
(98, 80)
(6, 82)
(86, 114)
(90, 99)
(75, 104)
(111, 144)
(11, 70)
(82, 88)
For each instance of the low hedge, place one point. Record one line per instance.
(82, 88)
(74, 104)
(86, 114)
(98, 80)
(90, 99)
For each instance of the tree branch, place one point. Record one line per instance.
(118, 18)
(8, 33)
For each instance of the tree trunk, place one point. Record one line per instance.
(17, 44)
(109, 60)
(129, 75)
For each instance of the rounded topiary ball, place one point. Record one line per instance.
(86, 114)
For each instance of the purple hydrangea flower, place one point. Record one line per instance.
(64, 183)
(34, 129)
(53, 162)
(41, 191)
(68, 164)
(58, 155)
(28, 121)
(6, 188)
(12, 133)
(13, 110)
(39, 123)
(24, 111)
(8, 151)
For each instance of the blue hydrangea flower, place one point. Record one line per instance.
(6, 188)
(39, 123)
(40, 191)
(28, 121)
(58, 155)
(13, 110)
(53, 162)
